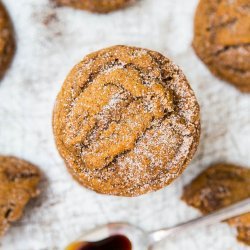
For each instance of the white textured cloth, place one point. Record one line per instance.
(50, 41)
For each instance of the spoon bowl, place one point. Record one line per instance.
(141, 240)
(137, 237)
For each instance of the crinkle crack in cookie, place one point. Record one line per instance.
(222, 39)
(18, 184)
(126, 121)
(100, 6)
(7, 44)
(219, 186)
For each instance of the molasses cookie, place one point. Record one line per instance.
(242, 223)
(7, 44)
(18, 184)
(219, 186)
(222, 39)
(126, 121)
(100, 6)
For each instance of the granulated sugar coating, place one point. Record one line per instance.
(126, 121)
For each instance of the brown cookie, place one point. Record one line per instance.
(100, 6)
(126, 121)
(222, 39)
(7, 43)
(219, 186)
(242, 223)
(18, 184)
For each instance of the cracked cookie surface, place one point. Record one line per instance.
(100, 6)
(126, 121)
(7, 43)
(222, 39)
(219, 186)
(18, 184)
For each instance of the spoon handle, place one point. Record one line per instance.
(212, 218)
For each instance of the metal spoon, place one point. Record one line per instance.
(142, 240)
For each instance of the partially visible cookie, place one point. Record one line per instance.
(219, 186)
(100, 6)
(18, 184)
(7, 42)
(222, 39)
(242, 223)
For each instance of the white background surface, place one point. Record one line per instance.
(44, 56)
